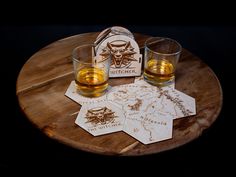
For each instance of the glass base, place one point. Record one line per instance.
(92, 91)
(159, 83)
(91, 95)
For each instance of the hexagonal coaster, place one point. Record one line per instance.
(148, 127)
(73, 94)
(175, 103)
(100, 118)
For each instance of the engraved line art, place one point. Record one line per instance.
(145, 122)
(122, 53)
(176, 101)
(149, 131)
(98, 116)
(136, 106)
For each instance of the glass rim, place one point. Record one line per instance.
(85, 45)
(164, 38)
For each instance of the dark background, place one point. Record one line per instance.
(209, 34)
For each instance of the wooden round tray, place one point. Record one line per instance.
(45, 77)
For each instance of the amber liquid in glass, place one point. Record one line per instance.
(159, 72)
(91, 81)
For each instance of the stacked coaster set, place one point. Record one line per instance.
(143, 111)
(126, 57)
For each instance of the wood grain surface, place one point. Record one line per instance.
(45, 77)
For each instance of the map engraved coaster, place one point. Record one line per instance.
(102, 118)
(176, 103)
(148, 127)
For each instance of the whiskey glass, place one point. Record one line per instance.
(91, 77)
(160, 60)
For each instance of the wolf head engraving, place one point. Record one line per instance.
(122, 53)
(100, 116)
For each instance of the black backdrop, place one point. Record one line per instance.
(24, 148)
